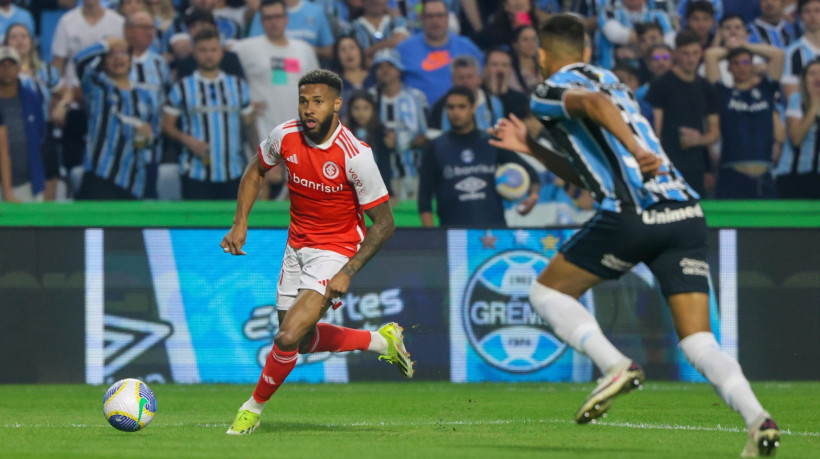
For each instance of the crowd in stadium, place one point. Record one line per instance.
(167, 99)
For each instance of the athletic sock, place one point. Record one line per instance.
(571, 322)
(704, 353)
(377, 343)
(277, 367)
(332, 338)
(253, 406)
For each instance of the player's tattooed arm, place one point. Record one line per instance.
(377, 236)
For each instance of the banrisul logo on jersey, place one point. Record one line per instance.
(496, 335)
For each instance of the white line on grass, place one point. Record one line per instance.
(626, 425)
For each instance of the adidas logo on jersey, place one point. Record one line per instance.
(292, 159)
(324, 282)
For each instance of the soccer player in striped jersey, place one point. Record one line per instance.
(647, 213)
(333, 181)
(122, 122)
(215, 110)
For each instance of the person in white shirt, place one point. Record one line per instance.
(80, 28)
(273, 65)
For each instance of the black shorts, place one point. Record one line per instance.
(669, 237)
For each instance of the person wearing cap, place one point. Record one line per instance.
(23, 127)
(403, 110)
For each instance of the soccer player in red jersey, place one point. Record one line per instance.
(333, 180)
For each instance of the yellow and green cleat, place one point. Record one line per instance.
(396, 353)
(245, 423)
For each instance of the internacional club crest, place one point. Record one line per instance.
(330, 170)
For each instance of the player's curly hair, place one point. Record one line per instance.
(322, 76)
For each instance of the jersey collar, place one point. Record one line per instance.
(329, 141)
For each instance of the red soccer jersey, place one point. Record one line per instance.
(330, 186)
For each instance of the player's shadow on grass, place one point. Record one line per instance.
(279, 427)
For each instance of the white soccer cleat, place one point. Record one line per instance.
(610, 386)
(763, 439)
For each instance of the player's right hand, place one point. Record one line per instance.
(511, 133)
(649, 163)
(233, 241)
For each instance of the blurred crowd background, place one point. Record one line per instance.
(168, 99)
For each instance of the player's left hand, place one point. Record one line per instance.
(337, 287)
(511, 133)
(649, 163)
(524, 207)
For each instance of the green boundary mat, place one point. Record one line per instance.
(719, 214)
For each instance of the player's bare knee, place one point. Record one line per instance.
(287, 340)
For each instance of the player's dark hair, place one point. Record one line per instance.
(460, 91)
(730, 16)
(686, 37)
(734, 52)
(802, 3)
(206, 33)
(703, 6)
(644, 27)
(199, 15)
(322, 76)
(564, 28)
(264, 3)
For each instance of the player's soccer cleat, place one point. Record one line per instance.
(245, 423)
(396, 353)
(763, 439)
(609, 386)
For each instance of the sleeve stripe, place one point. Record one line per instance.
(375, 203)
(262, 158)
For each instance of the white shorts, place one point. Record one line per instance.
(305, 268)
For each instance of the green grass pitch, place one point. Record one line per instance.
(398, 420)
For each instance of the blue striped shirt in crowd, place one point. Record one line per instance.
(798, 54)
(406, 115)
(367, 35)
(44, 82)
(605, 49)
(604, 165)
(227, 27)
(211, 111)
(113, 117)
(803, 158)
(781, 34)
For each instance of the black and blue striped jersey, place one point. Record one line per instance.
(114, 150)
(604, 165)
(211, 111)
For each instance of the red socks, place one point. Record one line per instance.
(277, 368)
(330, 338)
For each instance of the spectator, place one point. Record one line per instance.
(749, 118)
(364, 123)
(617, 26)
(403, 112)
(127, 7)
(771, 27)
(487, 108)
(185, 66)
(700, 18)
(122, 121)
(228, 29)
(473, 19)
(798, 173)
(273, 64)
(659, 60)
(376, 29)
(44, 79)
(629, 76)
(526, 69)
(426, 56)
(649, 35)
(212, 106)
(21, 113)
(686, 114)
(509, 15)
(685, 8)
(733, 33)
(163, 13)
(588, 10)
(458, 169)
(497, 78)
(348, 62)
(805, 49)
(78, 29)
(13, 14)
(307, 22)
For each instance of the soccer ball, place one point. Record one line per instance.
(129, 405)
(512, 181)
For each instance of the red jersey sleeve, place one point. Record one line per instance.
(270, 150)
(365, 178)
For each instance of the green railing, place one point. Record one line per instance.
(719, 214)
